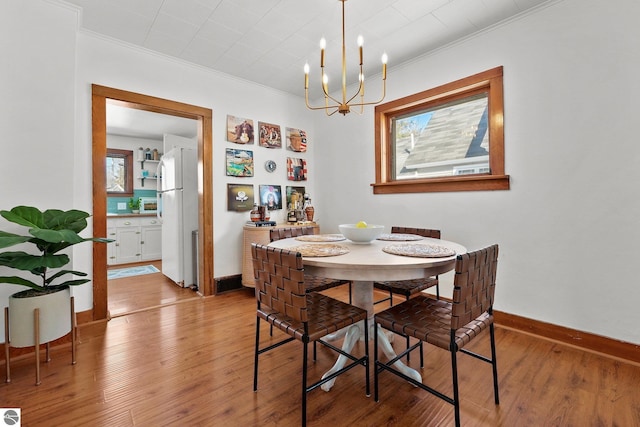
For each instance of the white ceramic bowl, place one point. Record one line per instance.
(361, 235)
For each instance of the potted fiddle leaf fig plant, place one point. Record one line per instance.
(49, 234)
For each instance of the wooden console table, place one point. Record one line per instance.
(253, 234)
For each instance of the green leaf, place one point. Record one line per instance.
(14, 280)
(62, 273)
(73, 220)
(29, 262)
(9, 239)
(56, 236)
(74, 282)
(25, 215)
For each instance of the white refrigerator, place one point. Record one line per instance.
(178, 209)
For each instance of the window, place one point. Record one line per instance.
(449, 138)
(119, 172)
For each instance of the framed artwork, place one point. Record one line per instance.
(270, 135)
(296, 140)
(298, 191)
(239, 197)
(271, 196)
(239, 130)
(239, 162)
(296, 169)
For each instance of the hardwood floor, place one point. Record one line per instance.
(130, 294)
(191, 363)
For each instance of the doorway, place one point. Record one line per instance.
(100, 96)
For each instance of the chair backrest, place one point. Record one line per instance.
(279, 281)
(474, 285)
(424, 232)
(286, 232)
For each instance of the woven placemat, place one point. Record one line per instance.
(399, 237)
(321, 238)
(418, 250)
(320, 250)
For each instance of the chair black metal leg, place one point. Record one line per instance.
(494, 363)
(438, 291)
(375, 362)
(304, 383)
(255, 360)
(456, 398)
(421, 355)
(366, 354)
(350, 293)
(409, 343)
(271, 330)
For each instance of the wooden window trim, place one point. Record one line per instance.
(127, 155)
(489, 81)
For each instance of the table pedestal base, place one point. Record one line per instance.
(363, 298)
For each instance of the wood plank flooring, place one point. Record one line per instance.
(191, 364)
(134, 293)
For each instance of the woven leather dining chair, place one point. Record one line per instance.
(312, 283)
(283, 302)
(448, 325)
(409, 287)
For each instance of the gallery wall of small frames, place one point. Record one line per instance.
(252, 143)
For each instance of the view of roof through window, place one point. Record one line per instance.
(447, 140)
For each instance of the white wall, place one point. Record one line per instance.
(37, 80)
(101, 62)
(568, 228)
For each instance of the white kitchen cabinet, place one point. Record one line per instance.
(137, 239)
(111, 247)
(151, 239)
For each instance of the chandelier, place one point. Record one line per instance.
(331, 104)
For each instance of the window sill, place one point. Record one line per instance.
(434, 185)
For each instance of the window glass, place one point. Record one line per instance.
(449, 138)
(119, 166)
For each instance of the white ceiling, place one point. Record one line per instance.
(269, 41)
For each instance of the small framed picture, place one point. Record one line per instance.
(296, 140)
(270, 135)
(239, 162)
(296, 169)
(239, 197)
(271, 196)
(239, 130)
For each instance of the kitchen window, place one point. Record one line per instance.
(449, 138)
(119, 172)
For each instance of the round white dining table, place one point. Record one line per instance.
(363, 264)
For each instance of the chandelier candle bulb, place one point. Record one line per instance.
(323, 45)
(360, 42)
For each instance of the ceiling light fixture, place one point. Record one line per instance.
(333, 105)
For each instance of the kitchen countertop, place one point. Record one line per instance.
(130, 215)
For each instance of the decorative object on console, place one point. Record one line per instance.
(309, 210)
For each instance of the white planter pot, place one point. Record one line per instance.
(55, 318)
